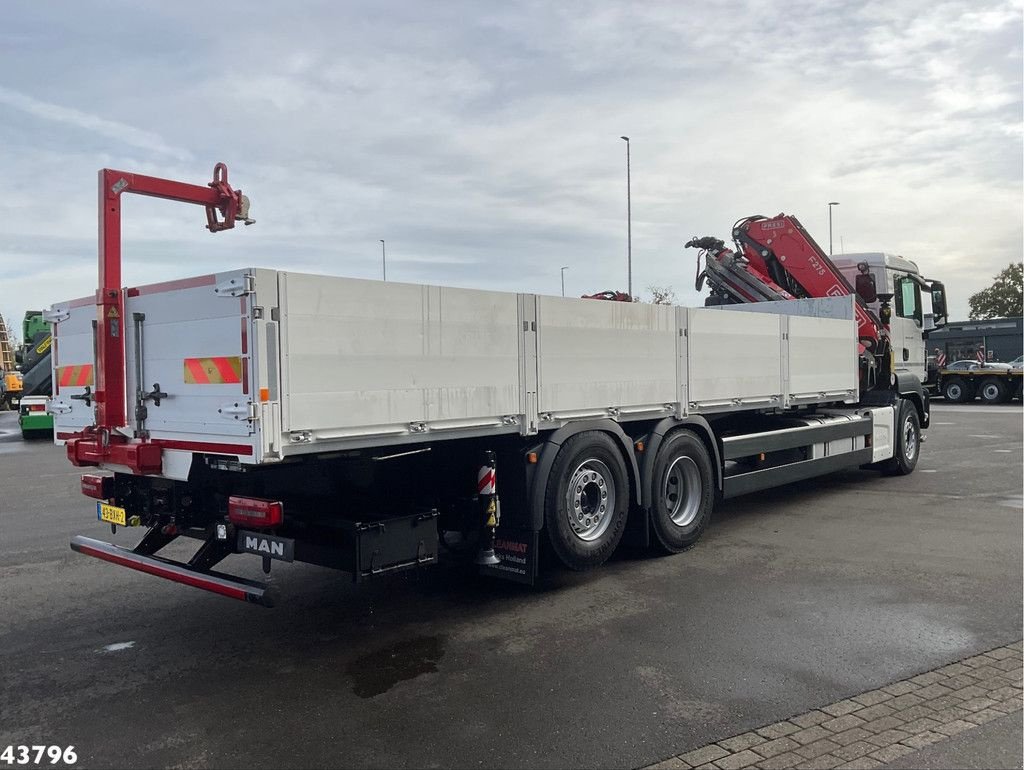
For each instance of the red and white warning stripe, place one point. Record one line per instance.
(485, 481)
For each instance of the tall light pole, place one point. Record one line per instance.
(383, 259)
(563, 279)
(629, 226)
(830, 205)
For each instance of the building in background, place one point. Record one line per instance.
(997, 339)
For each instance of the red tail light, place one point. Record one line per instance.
(254, 512)
(100, 487)
(37, 407)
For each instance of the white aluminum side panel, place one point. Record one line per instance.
(822, 359)
(361, 358)
(883, 433)
(595, 356)
(734, 359)
(72, 346)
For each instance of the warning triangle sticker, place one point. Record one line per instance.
(112, 313)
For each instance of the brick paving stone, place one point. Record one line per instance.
(850, 736)
(810, 719)
(672, 763)
(1007, 707)
(1016, 646)
(955, 727)
(917, 712)
(704, 755)
(883, 724)
(781, 761)
(954, 668)
(874, 712)
(984, 672)
(816, 749)
(971, 691)
(776, 747)
(1007, 665)
(840, 724)
(872, 697)
(950, 714)
(932, 691)
(958, 681)
(707, 766)
(983, 716)
(1002, 652)
(889, 753)
(810, 735)
(745, 758)
(854, 750)
(900, 688)
(937, 704)
(931, 677)
(1015, 676)
(741, 742)
(905, 700)
(1003, 693)
(777, 730)
(864, 763)
(920, 725)
(888, 738)
(921, 740)
(824, 762)
(977, 704)
(842, 707)
(977, 660)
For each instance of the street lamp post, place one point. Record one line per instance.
(563, 279)
(383, 259)
(629, 225)
(830, 205)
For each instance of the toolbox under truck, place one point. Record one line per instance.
(367, 425)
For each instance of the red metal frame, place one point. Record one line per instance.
(224, 206)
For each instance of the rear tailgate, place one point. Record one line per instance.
(200, 380)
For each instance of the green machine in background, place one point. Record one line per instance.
(37, 381)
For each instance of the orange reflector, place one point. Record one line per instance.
(639, 446)
(761, 457)
(264, 394)
(531, 457)
(217, 370)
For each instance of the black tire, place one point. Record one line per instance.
(588, 482)
(908, 441)
(683, 492)
(993, 391)
(957, 390)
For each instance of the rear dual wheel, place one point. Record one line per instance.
(683, 492)
(994, 391)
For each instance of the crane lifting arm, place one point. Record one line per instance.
(224, 206)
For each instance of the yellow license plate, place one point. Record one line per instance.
(112, 514)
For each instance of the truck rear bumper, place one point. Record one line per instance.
(226, 585)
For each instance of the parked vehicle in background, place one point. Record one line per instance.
(963, 381)
(1017, 363)
(33, 418)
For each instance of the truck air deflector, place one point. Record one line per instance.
(215, 582)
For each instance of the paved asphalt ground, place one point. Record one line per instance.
(795, 598)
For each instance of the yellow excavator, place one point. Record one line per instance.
(10, 377)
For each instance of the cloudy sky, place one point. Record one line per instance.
(481, 140)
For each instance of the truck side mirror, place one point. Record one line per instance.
(865, 285)
(939, 302)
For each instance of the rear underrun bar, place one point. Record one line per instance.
(226, 585)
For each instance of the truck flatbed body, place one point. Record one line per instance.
(260, 365)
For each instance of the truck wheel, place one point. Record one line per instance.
(994, 391)
(957, 390)
(683, 492)
(908, 441)
(587, 500)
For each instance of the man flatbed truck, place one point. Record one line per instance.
(364, 425)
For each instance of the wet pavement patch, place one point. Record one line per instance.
(381, 670)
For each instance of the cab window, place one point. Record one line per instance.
(908, 299)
